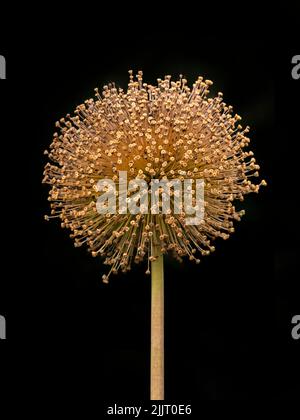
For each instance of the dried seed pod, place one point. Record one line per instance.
(168, 131)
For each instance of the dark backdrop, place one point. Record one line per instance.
(228, 320)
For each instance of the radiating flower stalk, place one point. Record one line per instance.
(168, 131)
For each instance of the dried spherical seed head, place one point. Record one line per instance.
(168, 131)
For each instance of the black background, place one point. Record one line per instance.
(228, 320)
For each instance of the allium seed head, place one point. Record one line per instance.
(168, 131)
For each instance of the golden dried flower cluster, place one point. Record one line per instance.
(166, 131)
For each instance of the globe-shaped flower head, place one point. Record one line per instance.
(164, 132)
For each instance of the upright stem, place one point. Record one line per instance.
(157, 325)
